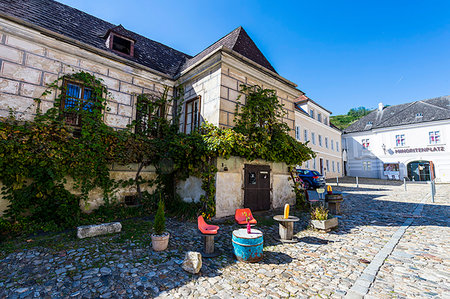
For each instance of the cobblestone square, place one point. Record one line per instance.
(378, 218)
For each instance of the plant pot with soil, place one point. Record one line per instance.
(320, 219)
(160, 237)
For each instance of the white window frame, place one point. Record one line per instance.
(434, 137)
(400, 140)
(332, 144)
(192, 114)
(306, 134)
(326, 142)
(332, 166)
(297, 133)
(320, 140)
(313, 138)
(365, 143)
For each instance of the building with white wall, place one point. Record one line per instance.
(312, 125)
(43, 40)
(407, 140)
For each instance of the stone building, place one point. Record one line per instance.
(401, 141)
(42, 40)
(312, 123)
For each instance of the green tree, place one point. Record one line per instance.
(343, 121)
(159, 225)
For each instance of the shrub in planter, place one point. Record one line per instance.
(320, 219)
(160, 239)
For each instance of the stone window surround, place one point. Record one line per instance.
(63, 100)
(193, 125)
(146, 116)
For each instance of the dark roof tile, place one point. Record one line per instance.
(88, 29)
(78, 25)
(239, 41)
(404, 114)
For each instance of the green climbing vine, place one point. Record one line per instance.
(48, 166)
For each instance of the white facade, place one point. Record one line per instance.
(367, 152)
(312, 123)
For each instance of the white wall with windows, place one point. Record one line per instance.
(312, 126)
(368, 151)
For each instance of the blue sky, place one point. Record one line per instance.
(342, 54)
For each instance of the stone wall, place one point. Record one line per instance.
(235, 73)
(96, 196)
(203, 81)
(29, 61)
(230, 183)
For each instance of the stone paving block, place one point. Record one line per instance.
(99, 229)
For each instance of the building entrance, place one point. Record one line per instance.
(420, 171)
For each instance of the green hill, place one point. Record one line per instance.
(343, 121)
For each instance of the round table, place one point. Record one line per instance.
(286, 227)
(248, 247)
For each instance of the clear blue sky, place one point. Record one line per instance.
(342, 54)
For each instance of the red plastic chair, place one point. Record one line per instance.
(205, 228)
(239, 216)
(209, 232)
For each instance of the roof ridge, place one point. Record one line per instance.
(435, 106)
(217, 41)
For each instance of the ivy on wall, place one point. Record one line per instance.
(38, 157)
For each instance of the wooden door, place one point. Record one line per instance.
(257, 187)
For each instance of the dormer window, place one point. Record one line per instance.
(118, 40)
(368, 125)
(419, 116)
(121, 45)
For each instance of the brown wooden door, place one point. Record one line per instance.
(257, 187)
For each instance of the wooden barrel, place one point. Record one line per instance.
(248, 247)
(334, 197)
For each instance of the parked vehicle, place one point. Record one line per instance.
(312, 179)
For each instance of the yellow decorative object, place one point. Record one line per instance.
(286, 211)
(329, 189)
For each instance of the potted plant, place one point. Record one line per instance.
(321, 220)
(160, 238)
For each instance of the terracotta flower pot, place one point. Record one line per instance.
(160, 242)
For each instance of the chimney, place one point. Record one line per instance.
(380, 106)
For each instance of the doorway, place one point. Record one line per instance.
(257, 187)
(420, 170)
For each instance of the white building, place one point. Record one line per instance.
(312, 125)
(407, 140)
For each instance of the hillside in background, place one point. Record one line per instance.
(343, 121)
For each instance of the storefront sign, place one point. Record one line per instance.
(391, 169)
(420, 150)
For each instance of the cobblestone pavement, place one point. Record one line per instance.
(319, 265)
